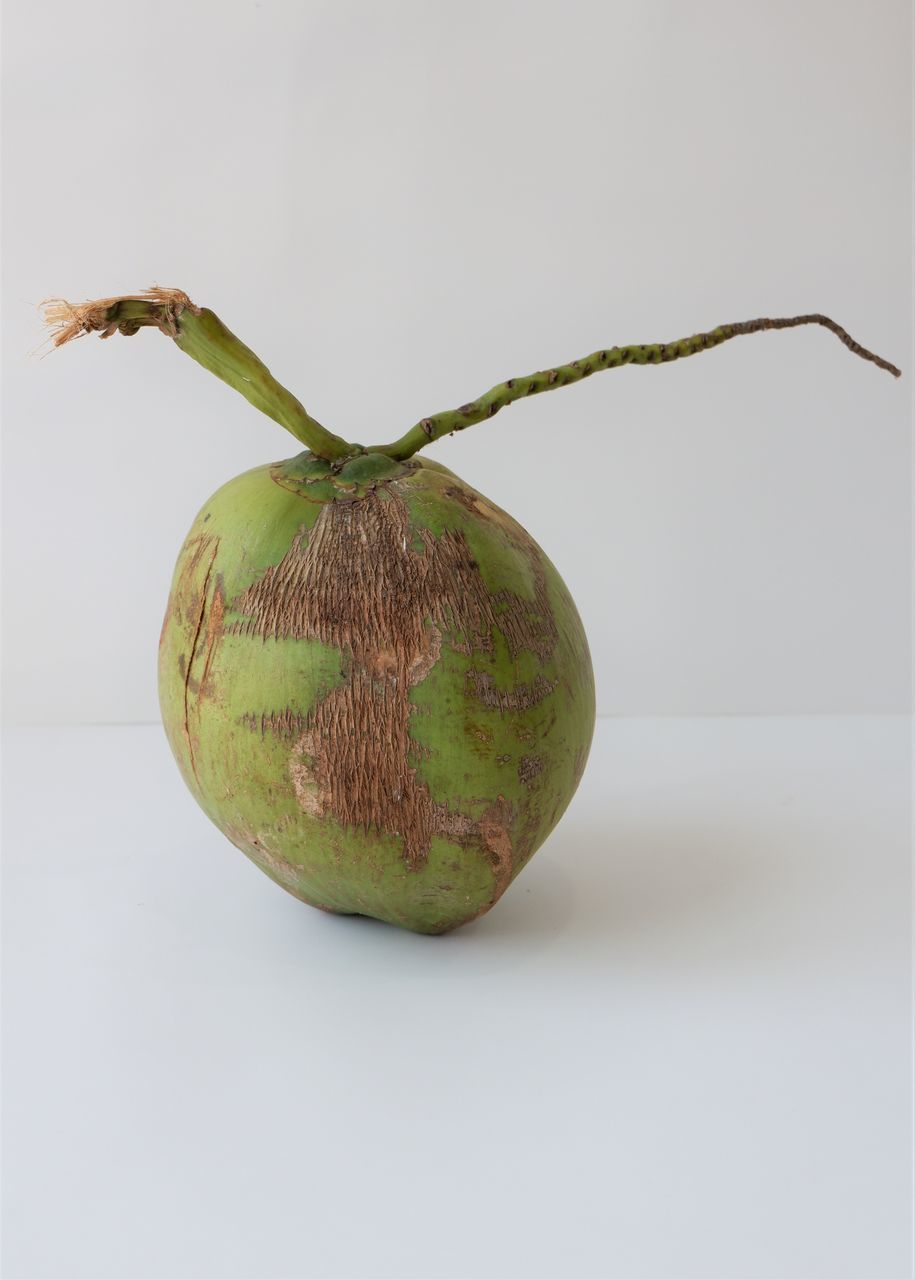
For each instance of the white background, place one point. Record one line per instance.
(398, 205)
(680, 1047)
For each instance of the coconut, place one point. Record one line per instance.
(372, 678)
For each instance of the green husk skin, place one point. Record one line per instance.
(494, 728)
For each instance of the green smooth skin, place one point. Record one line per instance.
(219, 688)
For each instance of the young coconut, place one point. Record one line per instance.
(374, 681)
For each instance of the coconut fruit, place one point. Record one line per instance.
(373, 680)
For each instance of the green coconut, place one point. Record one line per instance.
(372, 678)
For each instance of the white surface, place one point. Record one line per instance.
(679, 1047)
(398, 205)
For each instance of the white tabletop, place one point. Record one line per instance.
(679, 1047)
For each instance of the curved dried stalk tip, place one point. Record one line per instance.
(485, 406)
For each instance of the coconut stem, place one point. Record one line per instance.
(201, 335)
(441, 424)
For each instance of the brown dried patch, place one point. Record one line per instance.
(528, 768)
(514, 621)
(482, 506)
(479, 739)
(215, 619)
(522, 696)
(282, 724)
(462, 496)
(494, 830)
(196, 601)
(357, 583)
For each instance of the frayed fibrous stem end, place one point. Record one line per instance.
(126, 314)
(200, 334)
